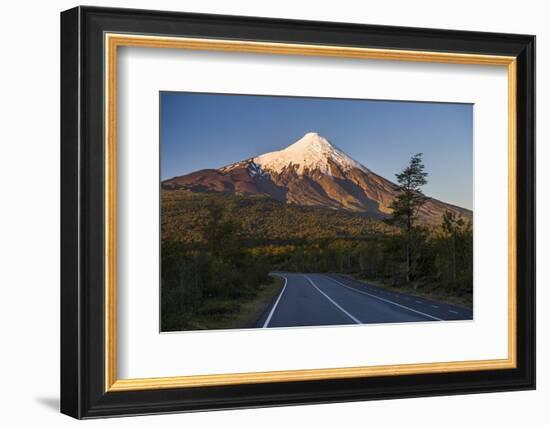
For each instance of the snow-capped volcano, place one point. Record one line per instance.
(309, 172)
(311, 152)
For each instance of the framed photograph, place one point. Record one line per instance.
(261, 212)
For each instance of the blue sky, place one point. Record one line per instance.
(201, 130)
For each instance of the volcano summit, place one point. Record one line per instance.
(310, 172)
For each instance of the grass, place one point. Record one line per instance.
(430, 290)
(235, 314)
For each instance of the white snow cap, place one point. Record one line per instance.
(310, 152)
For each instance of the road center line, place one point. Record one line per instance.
(266, 324)
(383, 299)
(334, 302)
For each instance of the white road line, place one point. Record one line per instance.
(334, 302)
(452, 311)
(383, 299)
(266, 324)
(419, 302)
(434, 306)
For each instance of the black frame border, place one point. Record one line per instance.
(82, 205)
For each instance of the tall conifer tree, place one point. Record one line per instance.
(407, 203)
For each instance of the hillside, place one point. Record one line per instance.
(186, 217)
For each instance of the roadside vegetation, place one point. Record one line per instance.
(217, 251)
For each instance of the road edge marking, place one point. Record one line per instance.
(385, 300)
(333, 302)
(266, 323)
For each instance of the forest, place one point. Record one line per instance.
(218, 248)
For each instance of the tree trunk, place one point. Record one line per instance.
(409, 254)
(454, 258)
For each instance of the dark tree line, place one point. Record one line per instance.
(451, 243)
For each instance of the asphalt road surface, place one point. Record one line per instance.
(323, 299)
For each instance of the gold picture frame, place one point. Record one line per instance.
(113, 41)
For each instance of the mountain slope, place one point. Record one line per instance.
(310, 172)
(187, 217)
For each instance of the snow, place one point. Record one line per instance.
(255, 170)
(311, 152)
(230, 167)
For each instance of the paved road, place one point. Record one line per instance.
(322, 299)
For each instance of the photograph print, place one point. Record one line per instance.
(281, 211)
